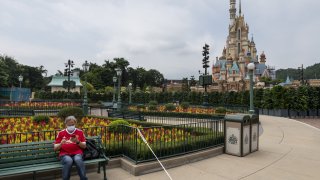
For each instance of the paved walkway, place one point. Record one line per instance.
(288, 150)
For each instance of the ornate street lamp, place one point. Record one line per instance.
(69, 72)
(20, 79)
(251, 68)
(119, 72)
(85, 66)
(114, 79)
(130, 91)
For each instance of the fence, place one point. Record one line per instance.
(166, 141)
(15, 94)
(310, 113)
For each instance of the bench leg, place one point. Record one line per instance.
(99, 166)
(104, 171)
(34, 175)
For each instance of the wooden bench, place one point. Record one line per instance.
(39, 156)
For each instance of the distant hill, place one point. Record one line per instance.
(311, 72)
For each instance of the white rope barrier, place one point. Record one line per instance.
(145, 141)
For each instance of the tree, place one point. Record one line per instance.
(277, 94)
(185, 85)
(193, 81)
(3, 74)
(154, 78)
(11, 69)
(267, 101)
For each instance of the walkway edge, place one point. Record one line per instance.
(149, 167)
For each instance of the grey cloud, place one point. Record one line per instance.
(160, 34)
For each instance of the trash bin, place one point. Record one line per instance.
(254, 123)
(237, 134)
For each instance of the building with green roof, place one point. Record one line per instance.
(56, 83)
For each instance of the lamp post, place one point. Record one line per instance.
(114, 79)
(119, 72)
(130, 88)
(85, 66)
(68, 72)
(20, 79)
(251, 67)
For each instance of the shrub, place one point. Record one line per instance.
(185, 105)
(153, 103)
(41, 118)
(141, 106)
(152, 107)
(221, 110)
(170, 107)
(120, 126)
(71, 111)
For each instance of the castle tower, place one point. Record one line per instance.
(232, 11)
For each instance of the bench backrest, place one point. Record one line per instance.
(13, 155)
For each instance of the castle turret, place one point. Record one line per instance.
(242, 65)
(262, 58)
(232, 11)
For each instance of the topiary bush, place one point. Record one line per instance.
(120, 126)
(170, 107)
(185, 105)
(41, 118)
(153, 103)
(71, 111)
(221, 110)
(152, 107)
(141, 106)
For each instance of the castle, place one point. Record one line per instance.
(229, 72)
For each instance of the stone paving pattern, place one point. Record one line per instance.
(288, 149)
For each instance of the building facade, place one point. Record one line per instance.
(229, 71)
(57, 80)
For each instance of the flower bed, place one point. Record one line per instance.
(164, 140)
(39, 105)
(193, 110)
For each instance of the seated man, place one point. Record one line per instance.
(71, 142)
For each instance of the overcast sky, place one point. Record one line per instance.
(166, 35)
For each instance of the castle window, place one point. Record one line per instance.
(239, 34)
(239, 48)
(234, 79)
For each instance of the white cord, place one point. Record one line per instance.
(145, 141)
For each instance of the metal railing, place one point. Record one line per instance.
(166, 141)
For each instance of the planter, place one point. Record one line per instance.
(284, 112)
(271, 112)
(292, 113)
(277, 112)
(302, 113)
(261, 111)
(312, 112)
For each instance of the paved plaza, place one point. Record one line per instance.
(288, 150)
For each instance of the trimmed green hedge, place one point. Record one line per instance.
(71, 111)
(41, 118)
(183, 115)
